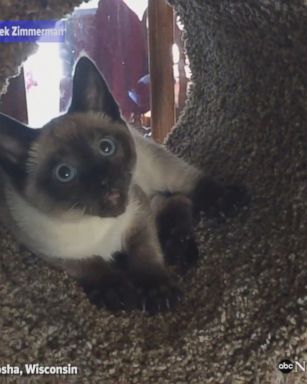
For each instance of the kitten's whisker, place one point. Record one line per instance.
(78, 206)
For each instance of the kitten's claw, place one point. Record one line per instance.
(168, 306)
(160, 298)
(143, 306)
(122, 296)
(157, 296)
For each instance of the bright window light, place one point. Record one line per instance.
(42, 78)
(137, 6)
(89, 5)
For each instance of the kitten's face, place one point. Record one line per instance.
(81, 162)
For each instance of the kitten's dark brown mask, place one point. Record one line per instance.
(80, 162)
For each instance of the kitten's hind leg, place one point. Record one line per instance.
(174, 221)
(159, 170)
(218, 201)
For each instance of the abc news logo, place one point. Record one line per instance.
(287, 366)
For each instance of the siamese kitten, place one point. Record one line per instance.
(88, 193)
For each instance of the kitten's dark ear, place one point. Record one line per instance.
(90, 91)
(15, 141)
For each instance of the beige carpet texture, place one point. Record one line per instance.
(245, 305)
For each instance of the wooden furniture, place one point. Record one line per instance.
(161, 37)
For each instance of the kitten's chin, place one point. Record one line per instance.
(106, 209)
(113, 213)
(104, 213)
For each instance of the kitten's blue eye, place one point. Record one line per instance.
(107, 147)
(65, 172)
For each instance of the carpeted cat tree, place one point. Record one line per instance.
(245, 305)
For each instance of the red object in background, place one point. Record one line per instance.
(30, 81)
(121, 51)
(116, 40)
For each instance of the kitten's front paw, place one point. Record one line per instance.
(174, 219)
(217, 201)
(115, 295)
(159, 298)
(181, 251)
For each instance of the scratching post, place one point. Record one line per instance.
(246, 121)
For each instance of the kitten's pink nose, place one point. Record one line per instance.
(113, 196)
